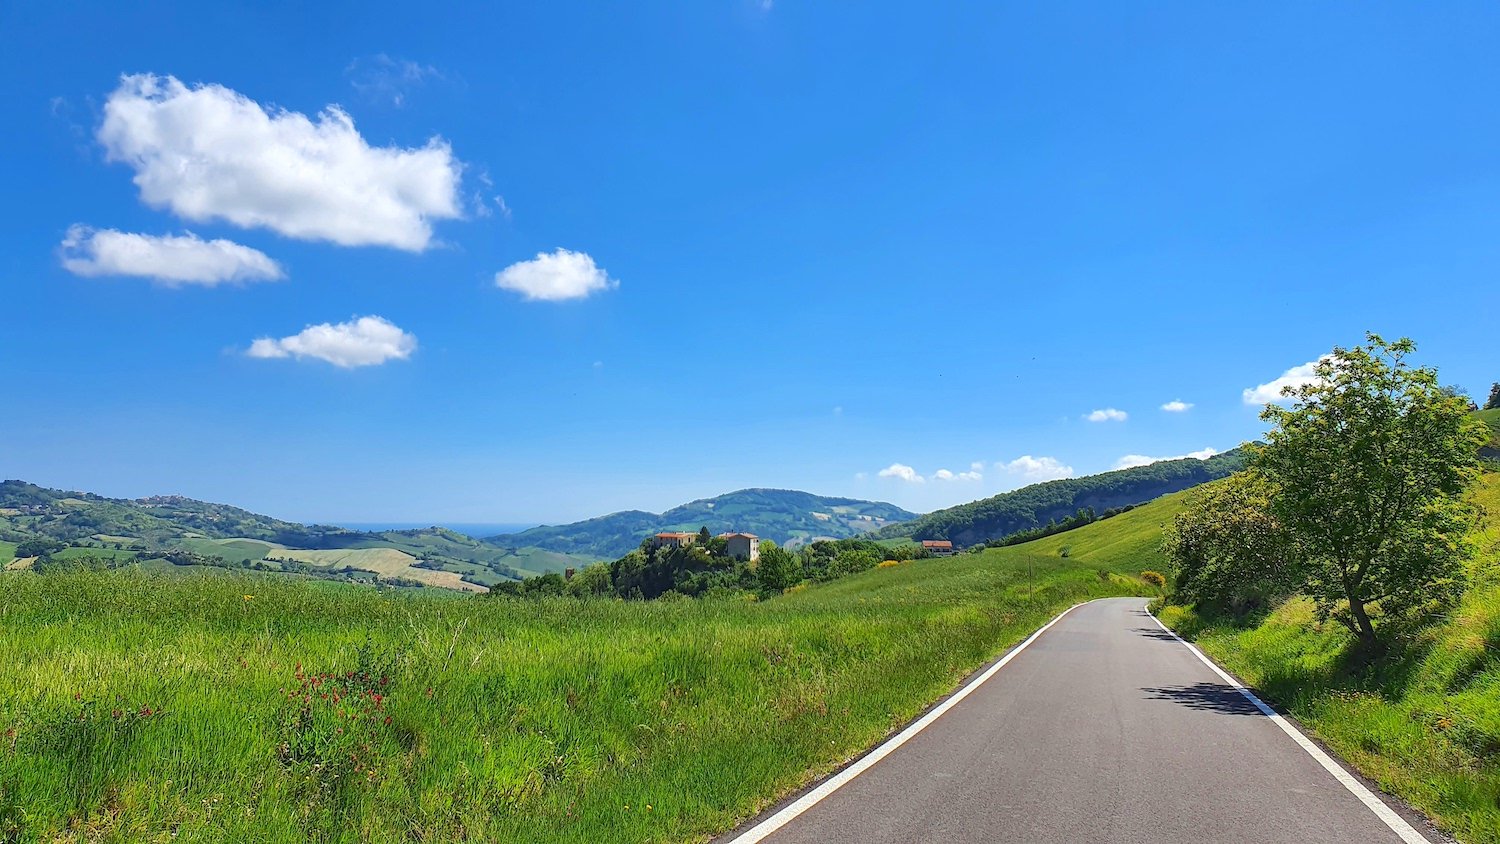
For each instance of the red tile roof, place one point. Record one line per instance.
(936, 543)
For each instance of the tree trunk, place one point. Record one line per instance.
(1362, 624)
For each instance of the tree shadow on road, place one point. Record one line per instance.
(1157, 633)
(1207, 697)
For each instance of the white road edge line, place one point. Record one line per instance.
(842, 778)
(1397, 823)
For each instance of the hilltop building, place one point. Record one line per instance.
(674, 539)
(744, 546)
(939, 547)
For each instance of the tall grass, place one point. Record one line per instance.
(1423, 719)
(136, 707)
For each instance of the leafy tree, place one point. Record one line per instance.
(1369, 466)
(1228, 550)
(38, 547)
(777, 568)
(704, 536)
(1494, 400)
(592, 580)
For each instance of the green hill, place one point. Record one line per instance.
(788, 517)
(1036, 505)
(191, 534)
(1492, 419)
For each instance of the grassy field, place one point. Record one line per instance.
(225, 708)
(1423, 722)
(7, 552)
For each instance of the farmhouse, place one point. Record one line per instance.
(674, 539)
(938, 547)
(744, 546)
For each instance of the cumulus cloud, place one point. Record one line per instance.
(364, 341)
(1270, 392)
(555, 277)
(170, 259)
(946, 475)
(1108, 414)
(1130, 461)
(1036, 468)
(209, 153)
(901, 471)
(1177, 406)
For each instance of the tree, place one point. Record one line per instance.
(777, 568)
(1227, 549)
(1494, 400)
(38, 547)
(1369, 466)
(704, 536)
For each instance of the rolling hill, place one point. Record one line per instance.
(1038, 504)
(788, 517)
(190, 533)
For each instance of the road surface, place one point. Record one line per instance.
(1105, 728)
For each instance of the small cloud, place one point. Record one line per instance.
(1036, 468)
(1177, 406)
(1130, 461)
(901, 471)
(972, 475)
(555, 277)
(859, 476)
(502, 207)
(838, 410)
(976, 466)
(169, 259)
(1108, 414)
(598, 364)
(1271, 391)
(383, 79)
(364, 341)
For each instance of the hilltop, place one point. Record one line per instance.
(788, 517)
(1036, 505)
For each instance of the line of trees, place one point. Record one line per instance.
(704, 568)
(1357, 500)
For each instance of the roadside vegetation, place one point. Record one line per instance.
(1351, 573)
(243, 707)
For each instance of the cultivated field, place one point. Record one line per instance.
(388, 562)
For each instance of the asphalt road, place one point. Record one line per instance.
(1105, 729)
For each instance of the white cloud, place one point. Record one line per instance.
(976, 466)
(902, 472)
(1108, 414)
(1130, 461)
(1036, 468)
(555, 277)
(1270, 392)
(209, 153)
(972, 475)
(364, 341)
(1177, 406)
(169, 259)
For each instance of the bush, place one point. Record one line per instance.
(1155, 578)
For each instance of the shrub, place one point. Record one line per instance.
(1155, 578)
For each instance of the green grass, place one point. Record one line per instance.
(1424, 721)
(140, 708)
(7, 552)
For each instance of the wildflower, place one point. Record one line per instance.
(249, 597)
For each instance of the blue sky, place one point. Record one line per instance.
(802, 244)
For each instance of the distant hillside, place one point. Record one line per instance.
(27, 509)
(193, 533)
(1036, 505)
(788, 517)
